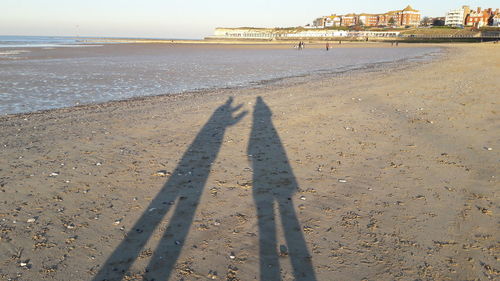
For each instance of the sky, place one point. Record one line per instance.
(187, 19)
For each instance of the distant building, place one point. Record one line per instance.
(368, 19)
(495, 21)
(478, 18)
(467, 17)
(409, 17)
(457, 17)
(319, 22)
(349, 20)
(332, 21)
(406, 17)
(388, 19)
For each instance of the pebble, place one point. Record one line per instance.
(488, 148)
(283, 251)
(54, 174)
(232, 256)
(177, 242)
(98, 164)
(161, 173)
(342, 180)
(31, 220)
(302, 198)
(117, 222)
(449, 188)
(212, 274)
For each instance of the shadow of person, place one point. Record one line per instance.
(273, 185)
(182, 190)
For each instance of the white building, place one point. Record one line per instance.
(496, 20)
(333, 20)
(457, 17)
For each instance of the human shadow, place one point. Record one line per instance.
(182, 191)
(273, 186)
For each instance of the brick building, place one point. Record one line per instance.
(409, 17)
(406, 17)
(368, 19)
(480, 17)
(349, 20)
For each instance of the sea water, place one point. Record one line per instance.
(36, 41)
(40, 77)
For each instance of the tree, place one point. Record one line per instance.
(425, 21)
(392, 21)
(438, 22)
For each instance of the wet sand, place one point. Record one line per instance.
(103, 50)
(381, 175)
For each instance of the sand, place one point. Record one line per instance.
(388, 174)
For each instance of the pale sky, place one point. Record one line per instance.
(187, 19)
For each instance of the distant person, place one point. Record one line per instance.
(340, 42)
(327, 46)
(397, 43)
(392, 43)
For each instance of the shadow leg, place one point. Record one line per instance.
(274, 181)
(269, 263)
(168, 250)
(297, 248)
(188, 179)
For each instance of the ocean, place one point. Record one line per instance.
(44, 73)
(36, 41)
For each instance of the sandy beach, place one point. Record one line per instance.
(384, 174)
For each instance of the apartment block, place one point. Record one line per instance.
(467, 17)
(457, 17)
(405, 17)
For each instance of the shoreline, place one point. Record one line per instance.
(394, 173)
(404, 63)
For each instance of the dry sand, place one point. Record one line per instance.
(381, 175)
